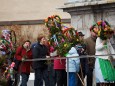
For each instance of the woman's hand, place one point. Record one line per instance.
(47, 56)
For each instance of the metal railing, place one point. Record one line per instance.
(67, 58)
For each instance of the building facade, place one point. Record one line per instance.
(85, 13)
(27, 17)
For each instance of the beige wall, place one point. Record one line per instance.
(25, 32)
(19, 10)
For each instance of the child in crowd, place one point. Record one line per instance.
(73, 66)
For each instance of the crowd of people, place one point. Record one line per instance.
(54, 72)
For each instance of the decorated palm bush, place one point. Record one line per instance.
(7, 50)
(3, 72)
(102, 29)
(61, 37)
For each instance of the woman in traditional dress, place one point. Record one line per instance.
(104, 69)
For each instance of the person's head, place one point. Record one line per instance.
(41, 39)
(27, 44)
(93, 34)
(81, 36)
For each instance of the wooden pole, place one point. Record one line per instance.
(81, 79)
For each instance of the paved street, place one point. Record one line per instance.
(31, 80)
(30, 83)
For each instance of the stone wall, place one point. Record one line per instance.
(83, 15)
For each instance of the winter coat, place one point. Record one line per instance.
(74, 63)
(24, 66)
(58, 63)
(39, 51)
(81, 49)
(90, 49)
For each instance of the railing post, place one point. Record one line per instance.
(67, 71)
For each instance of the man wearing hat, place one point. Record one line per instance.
(81, 36)
(90, 47)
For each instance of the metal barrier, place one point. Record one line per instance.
(67, 58)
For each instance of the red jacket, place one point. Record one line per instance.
(24, 66)
(59, 63)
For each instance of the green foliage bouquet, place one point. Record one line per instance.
(102, 29)
(61, 38)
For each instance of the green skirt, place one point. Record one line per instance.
(108, 71)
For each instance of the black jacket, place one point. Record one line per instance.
(39, 51)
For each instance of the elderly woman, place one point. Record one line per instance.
(24, 52)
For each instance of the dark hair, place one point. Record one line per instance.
(80, 34)
(27, 41)
(91, 28)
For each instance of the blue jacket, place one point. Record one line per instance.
(74, 63)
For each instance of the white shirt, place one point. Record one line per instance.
(102, 50)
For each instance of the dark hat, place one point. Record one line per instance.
(80, 34)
